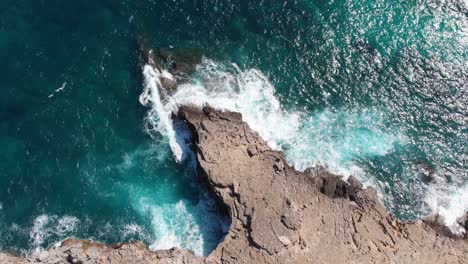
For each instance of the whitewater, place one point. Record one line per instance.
(337, 139)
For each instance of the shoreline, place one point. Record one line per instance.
(279, 215)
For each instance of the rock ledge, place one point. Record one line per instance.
(279, 215)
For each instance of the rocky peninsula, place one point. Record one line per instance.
(279, 214)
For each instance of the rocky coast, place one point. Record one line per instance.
(279, 214)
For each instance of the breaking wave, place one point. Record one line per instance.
(158, 118)
(331, 138)
(451, 202)
(45, 226)
(338, 139)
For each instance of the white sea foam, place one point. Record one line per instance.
(173, 226)
(158, 118)
(61, 88)
(330, 138)
(39, 232)
(334, 138)
(247, 92)
(450, 202)
(307, 140)
(65, 225)
(133, 229)
(181, 224)
(45, 226)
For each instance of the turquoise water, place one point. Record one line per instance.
(378, 89)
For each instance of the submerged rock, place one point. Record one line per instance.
(463, 222)
(172, 65)
(279, 214)
(180, 61)
(427, 171)
(170, 85)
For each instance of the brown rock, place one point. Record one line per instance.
(279, 215)
(252, 151)
(180, 61)
(170, 85)
(290, 217)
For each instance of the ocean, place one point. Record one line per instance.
(377, 89)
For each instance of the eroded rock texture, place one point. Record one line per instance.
(82, 251)
(279, 215)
